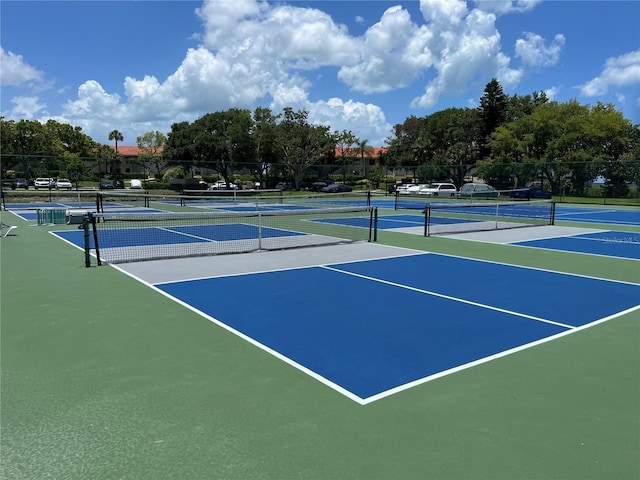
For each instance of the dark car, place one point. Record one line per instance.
(19, 183)
(318, 186)
(106, 185)
(118, 183)
(530, 192)
(283, 186)
(336, 188)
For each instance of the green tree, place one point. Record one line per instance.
(75, 168)
(563, 142)
(493, 113)
(222, 140)
(345, 141)
(180, 145)
(450, 139)
(117, 137)
(266, 140)
(405, 150)
(151, 146)
(303, 144)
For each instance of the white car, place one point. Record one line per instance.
(439, 190)
(135, 184)
(403, 189)
(42, 182)
(64, 183)
(415, 189)
(222, 185)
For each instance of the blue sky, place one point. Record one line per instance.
(356, 65)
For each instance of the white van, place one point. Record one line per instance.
(439, 190)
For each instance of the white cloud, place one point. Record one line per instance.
(503, 7)
(392, 54)
(534, 52)
(618, 72)
(28, 107)
(552, 93)
(255, 53)
(469, 53)
(15, 71)
(367, 121)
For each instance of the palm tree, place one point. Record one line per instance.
(365, 150)
(116, 135)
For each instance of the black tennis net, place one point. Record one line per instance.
(229, 200)
(129, 237)
(458, 217)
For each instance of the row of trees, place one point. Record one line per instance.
(511, 141)
(287, 144)
(508, 141)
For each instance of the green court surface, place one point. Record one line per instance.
(104, 378)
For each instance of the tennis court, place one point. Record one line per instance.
(608, 243)
(411, 357)
(614, 216)
(29, 211)
(363, 348)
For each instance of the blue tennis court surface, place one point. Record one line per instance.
(393, 323)
(609, 243)
(621, 216)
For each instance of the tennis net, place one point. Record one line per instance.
(129, 237)
(229, 200)
(456, 217)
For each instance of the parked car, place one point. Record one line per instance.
(117, 183)
(106, 185)
(222, 185)
(336, 188)
(64, 184)
(439, 190)
(42, 182)
(135, 184)
(283, 186)
(19, 183)
(318, 186)
(414, 189)
(478, 190)
(392, 188)
(530, 192)
(402, 189)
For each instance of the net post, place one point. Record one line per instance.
(368, 198)
(395, 203)
(94, 227)
(98, 202)
(552, 220)
(374, 214)
(87, 242)
(427, 219)
(259, 230)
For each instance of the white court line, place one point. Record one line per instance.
(166, 229)
(449, 297)
(399, 388)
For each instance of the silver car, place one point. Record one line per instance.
(478, 190)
